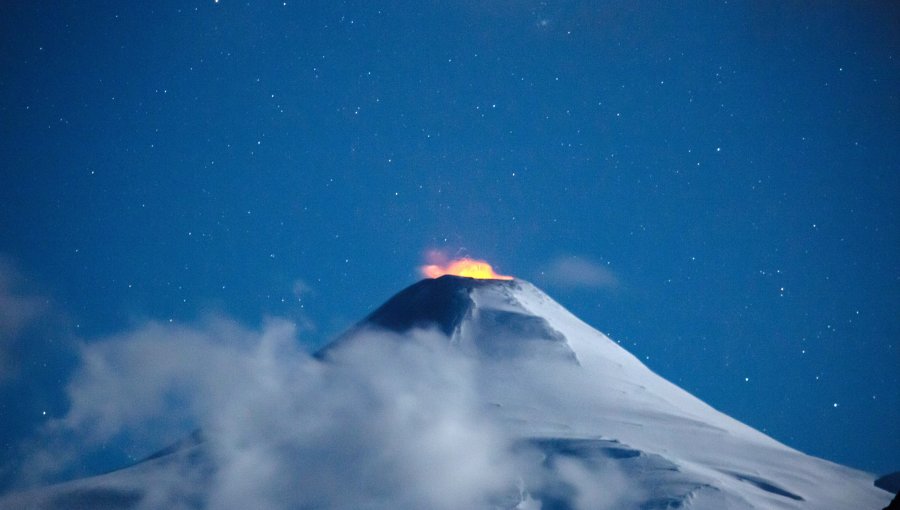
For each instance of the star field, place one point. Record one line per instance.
(714, 187)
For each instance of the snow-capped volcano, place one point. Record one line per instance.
(599, 407)
(568, 418)
(484, 318)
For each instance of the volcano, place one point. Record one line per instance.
(586, 423)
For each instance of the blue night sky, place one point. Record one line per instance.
(715, 186)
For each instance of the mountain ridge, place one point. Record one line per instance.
(588, 424)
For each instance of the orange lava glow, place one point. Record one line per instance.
(470, 268)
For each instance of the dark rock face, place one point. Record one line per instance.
(891, 483)
(895, 504)
(442, 302)
(447, 305)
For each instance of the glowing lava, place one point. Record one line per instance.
(470, 268)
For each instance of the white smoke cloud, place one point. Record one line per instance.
(389, 421)
(576, 272)
(19, 308)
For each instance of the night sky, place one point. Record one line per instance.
(715, 186)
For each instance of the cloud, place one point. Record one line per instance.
(37, 350)
(145, 386)
(19, 309)
(182, 373)
(389, 421)
(575, 272)
(301, 289)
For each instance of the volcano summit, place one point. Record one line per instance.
(468, 393)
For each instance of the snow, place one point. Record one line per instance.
(612, 395)
(585, 423)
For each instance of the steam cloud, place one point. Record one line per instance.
(19, 309)
(389, 421)
(574, 272)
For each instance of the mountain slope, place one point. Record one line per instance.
(584, 423)
(598, 392)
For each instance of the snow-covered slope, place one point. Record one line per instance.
(589, 426)
(602, 409)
